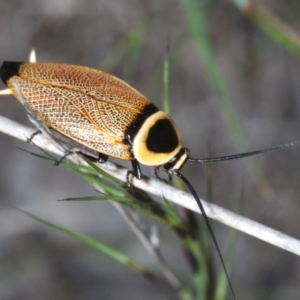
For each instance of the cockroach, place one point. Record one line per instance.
(106, 115)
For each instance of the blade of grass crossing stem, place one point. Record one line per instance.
(95, 198)
(87, 172)
(116, 255)
(109, 251)
(200, 277)
(152, 208)
(107, 176)
(110, 189)
(195, 13)
(112, 186)
(90, 173)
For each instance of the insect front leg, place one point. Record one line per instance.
(136, 169)
(136, 172)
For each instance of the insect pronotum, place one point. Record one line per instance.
(105, 114)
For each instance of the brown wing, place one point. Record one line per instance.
(89, 106)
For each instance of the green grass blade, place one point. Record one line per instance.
(196, 18)
(166, 81)
(133, 53)
(242, 3)
(95, 198)
(109, 251)
(271, 25)
(118, 256)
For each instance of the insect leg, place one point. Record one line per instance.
(58, 161)
(136, 169)
(29, 140)
(102, 158)
(136, 172)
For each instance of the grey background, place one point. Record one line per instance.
(263, 78)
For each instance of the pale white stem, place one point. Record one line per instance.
(161, 189)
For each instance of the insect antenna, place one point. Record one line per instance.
(193, 192)
(241, 155)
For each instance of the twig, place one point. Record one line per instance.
(154, 250)
(161, 189)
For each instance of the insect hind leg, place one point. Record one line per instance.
(62, 158)
(29, 140)
(102, 158)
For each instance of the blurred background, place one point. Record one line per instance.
(129, 39)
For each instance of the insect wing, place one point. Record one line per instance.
(89, 106)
